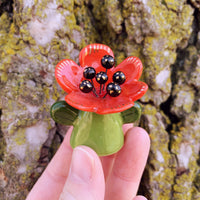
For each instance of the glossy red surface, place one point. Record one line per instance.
(69, 75)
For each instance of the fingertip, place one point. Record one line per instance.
(90, 152)
(92, 155)
(69, 131)
(141, 135)
(68, 135)
(140, 198)
(126, 127)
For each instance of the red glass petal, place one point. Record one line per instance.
(91, 55)
(131, 67)
(68, 74)
(91, 103)
(134, 90)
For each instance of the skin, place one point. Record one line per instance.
(80, 174)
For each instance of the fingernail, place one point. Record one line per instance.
(81, 165)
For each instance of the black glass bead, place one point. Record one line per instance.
(119, 77)
(89, 73)
(101, 77)
(113, 89)
(107, 61)
(86, 86)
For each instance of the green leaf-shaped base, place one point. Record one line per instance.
(132, 114)
(63, 113)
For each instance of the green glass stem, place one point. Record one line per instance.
(103, 133)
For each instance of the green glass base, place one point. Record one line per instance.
(103, 133)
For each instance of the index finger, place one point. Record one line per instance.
(50, 184)
(128, 167)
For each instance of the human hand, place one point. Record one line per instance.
(80, 174)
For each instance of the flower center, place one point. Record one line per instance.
(113, 88)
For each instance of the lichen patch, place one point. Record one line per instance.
(37, 135)
(185, 152)
(159, 157)
(162, 77)
(28, 3)
(18, 150)
(44, 30)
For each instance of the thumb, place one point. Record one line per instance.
(85, 180)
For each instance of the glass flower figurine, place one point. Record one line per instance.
(100, 98)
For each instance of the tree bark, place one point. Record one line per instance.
(164, 34)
